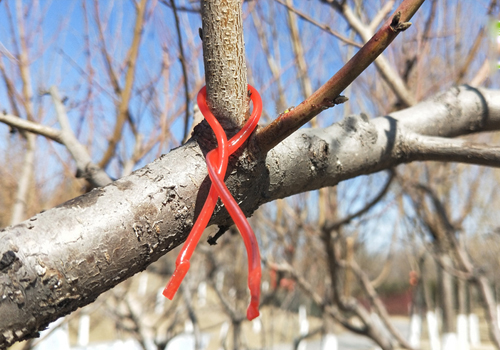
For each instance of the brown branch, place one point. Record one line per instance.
(376, 302)
(180, 8)
(330, 226)
(327, 95)
(27, 170)
(298, 51)
(271, 61)
(182, 59)
(384, 67)
(324, 27)
(126, 93)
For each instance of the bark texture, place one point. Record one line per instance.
(65, 257)
(224, 59)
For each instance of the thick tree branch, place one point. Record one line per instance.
(113, 232)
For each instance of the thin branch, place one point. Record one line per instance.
(298, 51)
(475, 46)
(330, 226)
(271, 61)
(379, 17)
(385, 68)
(27, 170)
(376, 302)
(182, 59)
(23, 124)
(327, 95)
(181, 8)
(324, 27)
(297, 340)
(126, 93)
(86, 168)
(308, 289)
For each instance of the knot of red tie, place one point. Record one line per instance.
(217, 161)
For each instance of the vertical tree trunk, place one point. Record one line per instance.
(446, 296)
(224, 59)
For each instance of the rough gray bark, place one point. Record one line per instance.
(65, 257)
(224, 58)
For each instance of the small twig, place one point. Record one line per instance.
(181, 8)
(212, 240)
(297, 340)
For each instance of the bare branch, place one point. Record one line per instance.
(376, 302)
(224, 59)
(126, 93)
(325, 27)
(86, 168)
(23, 124)
(379, 17)
(452, 150)
(326, 96)
(182, 59)
(389, 74)
(330, 226)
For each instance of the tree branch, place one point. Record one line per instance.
(125, 93)
(330, 226)
(86, 168)
(182, 59)
(23, 124)
(452, 150)
(390, 76)
(100, 239)
(326, 96)
(324, 27)
(224, 59)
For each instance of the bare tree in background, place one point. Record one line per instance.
(125, 108)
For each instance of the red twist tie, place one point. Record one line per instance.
(217, 161)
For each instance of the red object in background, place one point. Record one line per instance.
(217, 161)
(413, 278)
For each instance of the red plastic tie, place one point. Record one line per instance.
(217, 160)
